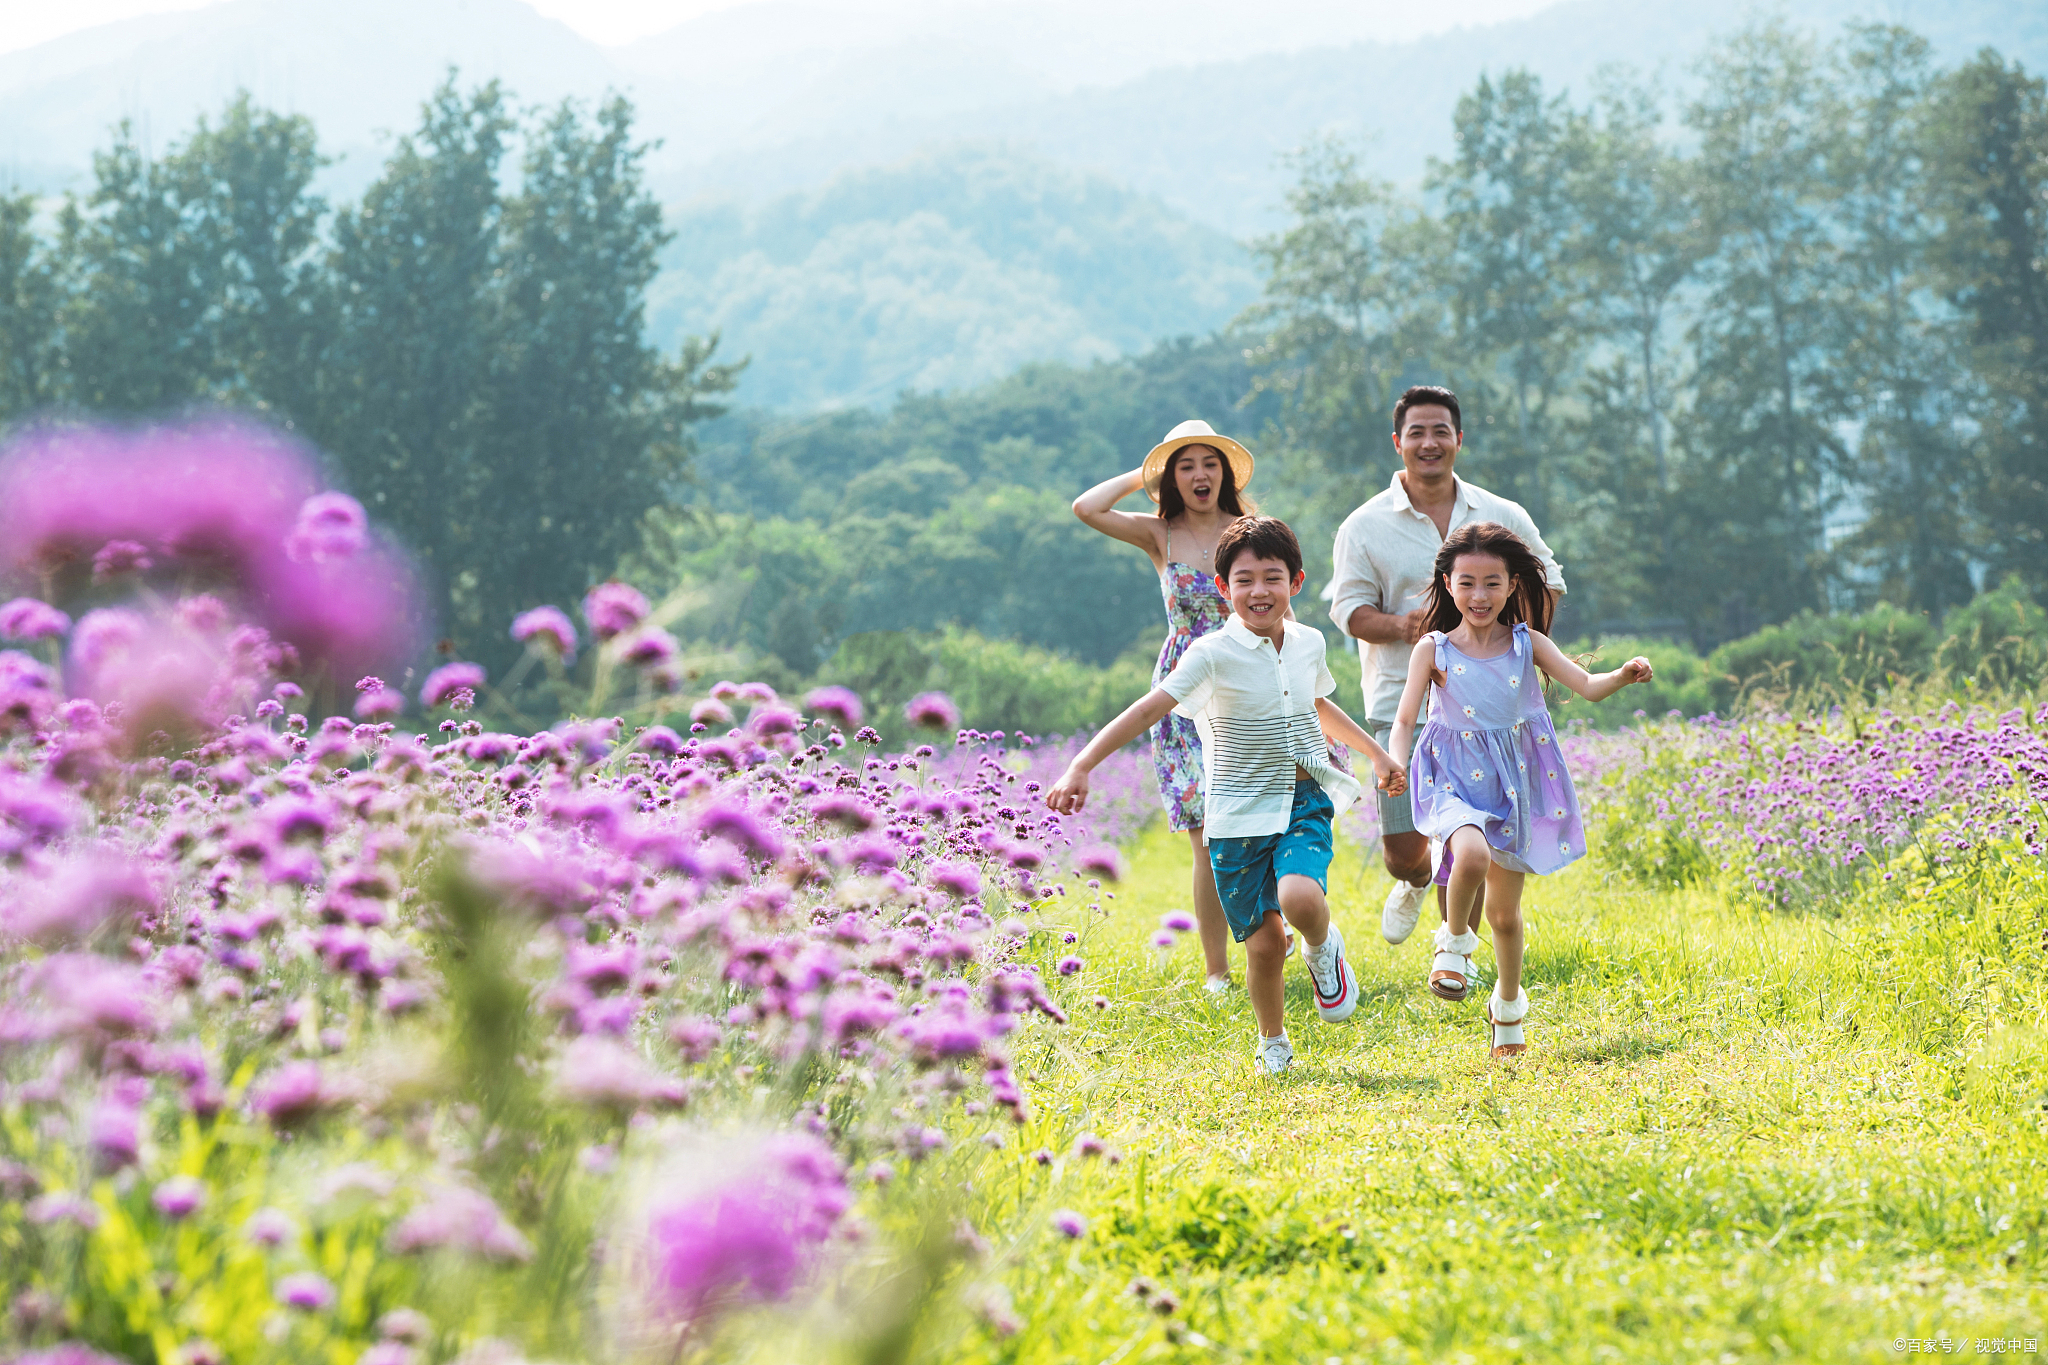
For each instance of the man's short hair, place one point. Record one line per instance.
(1428, 396)
(1261, 538)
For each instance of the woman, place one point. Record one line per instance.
(1198, 479)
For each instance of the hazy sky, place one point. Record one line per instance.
(24, 23)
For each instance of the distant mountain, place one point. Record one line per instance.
(950, 269)
(1210, 139)
(925, 194)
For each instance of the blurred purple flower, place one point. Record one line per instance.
(66, 1353)
(960, 880)
(458, 1218)
(117, 557)
(613, 609)
(771, 719)
(270, 1227)
(597, 1071)
(1101, 861)
(292, 1095)
(1068, 966)
(444, 682)
(711, 711)
(25, 618)
(660, 739)
(179, 1197)
(329, 526)
(838, 703)
(749, 1238)
(647, 646)
(1180, 921)
(71, 901)
(305, 1291)
(932, 711)
(1067, 1223)
(379, 703)
(547, 628)
(734, 823)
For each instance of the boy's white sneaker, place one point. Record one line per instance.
(1336, 991)
(1216, 985)
(1403, 908)
(1273, 1055)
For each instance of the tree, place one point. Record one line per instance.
(1895, 345)
(1518, 306)
(1764, 461)
(406, 383)
(30, 354)
(1989, 130)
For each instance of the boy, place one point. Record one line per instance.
(1258, 690)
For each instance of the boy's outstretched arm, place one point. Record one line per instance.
(1387, 774)
(1591, 686)
(1070, 793)
(1421, 665)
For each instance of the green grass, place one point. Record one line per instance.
(1739, 1136)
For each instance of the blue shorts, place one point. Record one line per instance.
(1248, 870)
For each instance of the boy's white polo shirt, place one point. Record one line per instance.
(1255, 707)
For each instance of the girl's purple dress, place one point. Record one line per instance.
(1193, 609)
(1489, 757)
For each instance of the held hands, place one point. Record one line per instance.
(1070, 793)
(1388, 777)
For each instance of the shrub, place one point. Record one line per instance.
(1999, 640)
(1826, 657)
(1680, 683)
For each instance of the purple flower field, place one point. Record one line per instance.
(329, 1020)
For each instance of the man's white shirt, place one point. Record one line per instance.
(1255, 707)
(1386, 552)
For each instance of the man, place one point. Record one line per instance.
(1385, 553)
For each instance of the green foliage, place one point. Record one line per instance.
(997, 684)
(1824, 657)
(1998, 641)
(1679, 684)
(473, 357)
(1729, 376)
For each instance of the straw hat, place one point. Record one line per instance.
(1194, 432)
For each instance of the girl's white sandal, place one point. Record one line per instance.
(1504, 1036)
(1450, 971)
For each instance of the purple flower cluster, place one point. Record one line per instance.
(1794, 809)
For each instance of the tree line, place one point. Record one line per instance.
(470, 356)
(1781, 348)
(1788, 355)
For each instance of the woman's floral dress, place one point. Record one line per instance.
(1193, 609)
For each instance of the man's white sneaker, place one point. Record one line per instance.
(1273, 1055)
(1404, 907)
(1330, 975)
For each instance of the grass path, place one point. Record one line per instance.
(1739, 1137)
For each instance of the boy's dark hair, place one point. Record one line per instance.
(1531, 599)
(1429, 396)
(1261, 538)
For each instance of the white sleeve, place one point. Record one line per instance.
(1523, 525)
(1191, 681)
(1354, 579)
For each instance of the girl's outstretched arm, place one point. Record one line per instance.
(1421, 666)
(1097, 507)
(1591, 686)
(1070, 793)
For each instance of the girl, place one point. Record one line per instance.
(1198, 479)
(1487, 778)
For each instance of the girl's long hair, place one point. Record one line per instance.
(1531, 599)
(1229, 501)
